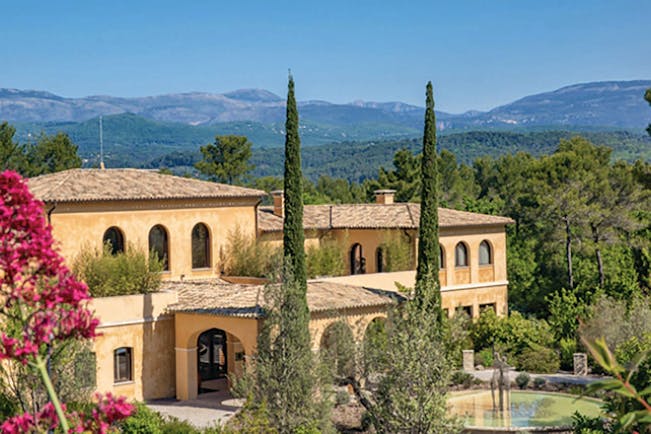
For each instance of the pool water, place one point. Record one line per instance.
(526, 409)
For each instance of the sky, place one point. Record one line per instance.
(478, 53)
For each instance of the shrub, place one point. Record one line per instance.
(633, 320)
(567, 348)
(457, 336)
(538, 359)
(328, 259)
(247, 256)
(515, 337)
(143, 421)
(398, 251)
(342, 398)
(173, 425)
(487, 331)
(485, 357)
(367, 421)
(125, 273)
(539, 382)
(148, 421)
(460, 378)
(522, 380)
(8, 406)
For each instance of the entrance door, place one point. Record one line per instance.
(212, 355)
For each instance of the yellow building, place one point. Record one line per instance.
(199, 327)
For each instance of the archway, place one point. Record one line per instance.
(212, 359)
(338, 349)
(375, 344)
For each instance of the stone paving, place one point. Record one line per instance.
(207, 410)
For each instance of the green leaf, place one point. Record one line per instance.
(645, 392)
(627, 420)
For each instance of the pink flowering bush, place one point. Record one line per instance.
(42, 303)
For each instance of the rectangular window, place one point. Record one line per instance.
(122, 365)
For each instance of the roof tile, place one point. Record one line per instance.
(374, 216)
(249, 300)
(86, 185)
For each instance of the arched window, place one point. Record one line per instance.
(461, 255)
(441, 257)
(200, 246)
(122, 365)
(114, 237)
(158, 243)
(357, 261)
(379, 260)
(485, 254)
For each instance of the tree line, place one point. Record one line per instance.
(50, 153)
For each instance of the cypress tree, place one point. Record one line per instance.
(427, 291)
(287, 380)
(647, 97)
(293, 237)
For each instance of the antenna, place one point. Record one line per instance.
(101, 144)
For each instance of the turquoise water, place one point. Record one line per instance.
(525, 409)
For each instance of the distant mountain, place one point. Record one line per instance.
(196, 108)
(613, 104)
(617, 104)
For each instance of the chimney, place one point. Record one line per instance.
(384, 197)
(279, 202)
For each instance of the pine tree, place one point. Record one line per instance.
(227, 160)
(427, 291)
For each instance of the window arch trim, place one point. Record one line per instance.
(163, 249)
(459, 260)
(441, 257)
(487, 252)
(115, 237)
(201, 247)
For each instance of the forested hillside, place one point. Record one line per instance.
(356, 161)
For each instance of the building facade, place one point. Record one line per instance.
(202, 325)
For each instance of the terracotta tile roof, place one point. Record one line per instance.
(84, 185)
(374, 216)
(249, 300)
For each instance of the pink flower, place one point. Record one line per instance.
(44, 303)
(34, 279)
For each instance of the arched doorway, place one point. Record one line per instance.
(357, 260)
(380, 260)
(212, 359)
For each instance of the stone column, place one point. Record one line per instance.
(468, 360)
(187, 379)
(580, 364)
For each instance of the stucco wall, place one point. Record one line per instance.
(84, 224)
(472, 295)
(139, 322)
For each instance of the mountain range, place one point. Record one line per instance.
(143, 131)
(610, 104)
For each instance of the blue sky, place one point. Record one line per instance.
(478, 53)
